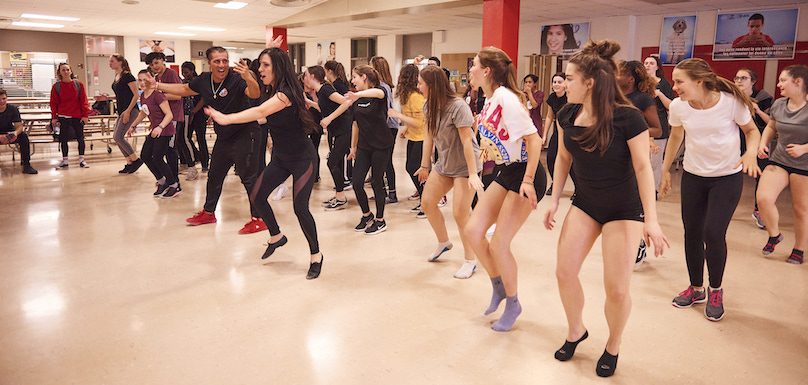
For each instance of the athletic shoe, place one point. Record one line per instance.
(414, 197)
(421, 215)
(689, 297)
(466, 270)
(336, 204)
(135, 165)
(27, 169)
(280, 192)
(714, 310)
(796, 258)
(758, 220)
(125, 169)
(328, 202)
(253, 226)
(161, 188)
(391, 198)
(192, 174)
(315, 268)
(771, 243)
(83, 164)
(377, 227)
(201, 218)
(347, 186)
(641, 254)
(442, 201)
(549, 190)
(416, 209)
(171, 192)
(364, 223)
(62, 164)
(491, 230)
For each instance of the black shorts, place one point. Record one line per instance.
(510, 177)
(789, 170)
(604, 210)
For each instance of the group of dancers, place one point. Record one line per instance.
(617, 131)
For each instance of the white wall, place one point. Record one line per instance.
(459, 41)
(131, 51)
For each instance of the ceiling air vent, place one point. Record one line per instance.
(289, 3)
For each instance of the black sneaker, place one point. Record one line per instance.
(336, 204)
(135, 165)
(27, 169)
(378, 226)
(84, 164)
(125, 169)
(171, 192)
(347, 186)
(391, 197)
(421, 215)
(161, 189)
(364, 223)
(641, 254)
(416, 209)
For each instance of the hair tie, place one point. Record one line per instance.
(508, 62)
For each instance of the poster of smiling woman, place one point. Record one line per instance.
(676, 40)
(756, 34)
(563, 39)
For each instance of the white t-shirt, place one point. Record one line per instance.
(502, 123)
(712, 136)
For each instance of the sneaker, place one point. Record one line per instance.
(62, 164)
(796, 258)
(280, 192)
(125, 169)
(135, 165)
(466, 270)
(641, 254)
(442, 201)
(27, 169)
(490, 232)
(336, 204)
(329, 201)
(714, 310)
(771, 243)
(421, 215)
(161, 189)
(347, 186)
(414, 197)
(391, 198)
(83, 164)
(171, 192)
(364, 223)
(201, 218)
(191, 174)
(378, 226)
(689, 297)
(758, 220)
(253, 226)
(416, 209)
(549, 191)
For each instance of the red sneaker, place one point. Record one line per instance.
(253, 226)
(201, 218)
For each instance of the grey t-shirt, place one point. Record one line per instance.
(792, 128)
(451, 161)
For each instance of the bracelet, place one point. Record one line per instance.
(426, 167)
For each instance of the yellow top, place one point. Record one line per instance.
(414, 108)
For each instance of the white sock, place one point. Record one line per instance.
(491, 230)
(442, 248)
(466, 270)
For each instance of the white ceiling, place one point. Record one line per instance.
(111, 17)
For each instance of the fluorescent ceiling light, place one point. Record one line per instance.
(48, 17)
(229, 47)
(36, 25)
(231, 5)
(205, 29)
(174, 34)
(109, 41)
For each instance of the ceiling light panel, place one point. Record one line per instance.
(48, 17)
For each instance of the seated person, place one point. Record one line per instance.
(11, 131)
(755, 37)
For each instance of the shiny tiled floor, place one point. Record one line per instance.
(102, 284)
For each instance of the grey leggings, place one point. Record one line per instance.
(119, 135)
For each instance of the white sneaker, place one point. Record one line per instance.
(191, 174)
(280, 192)
(466, 270)
(491, 230)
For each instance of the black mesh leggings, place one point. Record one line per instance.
(707, 208)
(275, 173)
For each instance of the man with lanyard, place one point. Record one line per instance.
(157, 66)
(229, 92)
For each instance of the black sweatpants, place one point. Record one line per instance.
(69, 129)
(340, 147)
(391, 171)
(707, 208)
(374, 161)
(183, 144)
(199, 125)
(414, 152)
(237, 150)
(153, 154)
(275, 173)
(25, 147)
(315, 140)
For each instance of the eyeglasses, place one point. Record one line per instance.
(741, 78)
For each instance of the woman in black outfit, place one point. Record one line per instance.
(292, 152)
(663, 96)
(556, 100)
(314, 109)
(335, 74)
(197, 121)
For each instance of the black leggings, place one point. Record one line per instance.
(340, 146)
(414, 152)
(275, 173)
(315, 140)
(183, 144)
(552, 153)
(153, 153)
(374, 161)
(199, 125)
(707, 208)
(391, 171)
(237, 151)
(71, 128)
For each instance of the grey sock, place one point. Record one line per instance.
(512, 311)
(497, 295)
(162, 180)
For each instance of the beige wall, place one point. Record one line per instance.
(35, 41)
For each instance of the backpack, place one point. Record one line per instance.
(58, 88)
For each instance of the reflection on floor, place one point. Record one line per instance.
(103, 284)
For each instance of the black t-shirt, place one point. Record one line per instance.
(289, 139)
(667, 90)
(610, 174)
(8, 117)
(370, 115)
(123, 94)
(556, 102)
(342, 124)
(230, 98)
(764, 101)
(641, 100)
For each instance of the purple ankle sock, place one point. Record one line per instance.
(497, 295)
(512, 311)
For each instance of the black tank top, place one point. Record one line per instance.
(289, 139)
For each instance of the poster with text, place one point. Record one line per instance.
(326, 50)
(766, 34)
(563, 39)
(164, 46)
(676, 39)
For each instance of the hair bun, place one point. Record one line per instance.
(606, 49)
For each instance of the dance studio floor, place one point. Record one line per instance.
(103, 284)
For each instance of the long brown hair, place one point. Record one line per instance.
(372, 75)
(502, 70)
(642, 81)
(59, 74)
(338, 70)
(438, 96)
(383, 68)
(799, 71)
(407, 83)
(124, 63)
(595, 61)
(698, 69)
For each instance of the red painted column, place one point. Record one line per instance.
(501, 26)
(273, 32)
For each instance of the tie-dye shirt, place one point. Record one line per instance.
(502, 123)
